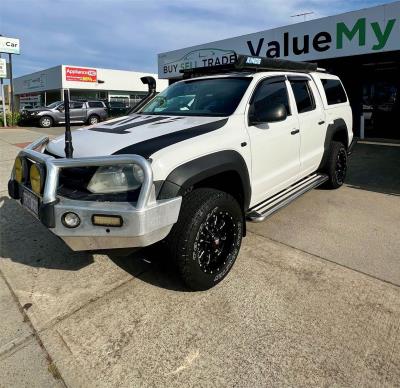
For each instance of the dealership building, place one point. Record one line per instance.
(362, 47)
(47, 86)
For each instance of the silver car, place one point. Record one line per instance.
(90, 112)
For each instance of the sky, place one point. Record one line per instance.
(128, 34)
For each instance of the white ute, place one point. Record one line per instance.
(191, 164)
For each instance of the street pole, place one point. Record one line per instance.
(11, 88)
(3, 102)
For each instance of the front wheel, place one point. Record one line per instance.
(45, 122)
(205, 241)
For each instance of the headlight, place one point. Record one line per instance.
(116, 179)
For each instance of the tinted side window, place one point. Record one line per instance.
(303, 95)
(334, 91)
(76, 105)
(95, 104)
(269, 93)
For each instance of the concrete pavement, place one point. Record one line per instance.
(305, 304)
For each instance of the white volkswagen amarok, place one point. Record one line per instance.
(190, 165)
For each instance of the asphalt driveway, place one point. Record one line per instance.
(313, 300)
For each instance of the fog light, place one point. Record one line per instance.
(19, 172)
(70, 220)
(36, 178)
(103, 220)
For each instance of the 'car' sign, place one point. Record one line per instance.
(9, 45)
(80, 74)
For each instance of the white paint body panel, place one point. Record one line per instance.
(274, 157)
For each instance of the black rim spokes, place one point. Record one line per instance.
(341, 166)
(215, 240)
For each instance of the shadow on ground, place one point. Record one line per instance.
(375, 168)
(151, 265)
(25, 240)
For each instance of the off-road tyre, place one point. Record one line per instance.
(336, 165)
(205, 241)
(46, 122)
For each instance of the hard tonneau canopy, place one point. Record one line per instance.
(246, 63)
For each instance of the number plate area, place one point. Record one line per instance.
(31, 202)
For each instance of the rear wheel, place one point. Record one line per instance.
(336, 166)
(93, 119)
(206, 240)
(46, 122)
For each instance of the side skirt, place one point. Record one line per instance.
(270, 205)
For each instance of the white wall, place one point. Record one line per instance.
(113, 80)
(55, 78)
(39, 81)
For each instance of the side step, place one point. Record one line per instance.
(264, 209)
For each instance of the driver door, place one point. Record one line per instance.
(275, 146)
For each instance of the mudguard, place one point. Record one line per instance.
(335, 131)
(197, 170)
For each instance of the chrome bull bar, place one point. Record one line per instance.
(34, 151)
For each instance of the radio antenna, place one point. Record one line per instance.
(68, 137)
(304, 14)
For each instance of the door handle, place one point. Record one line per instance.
(321, 122)
(295, 131)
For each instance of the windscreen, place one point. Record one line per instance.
(53, 105)
(202, 97)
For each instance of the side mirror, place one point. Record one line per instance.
(269, 114)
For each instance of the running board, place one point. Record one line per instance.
(264, 209)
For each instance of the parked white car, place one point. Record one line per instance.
(193, 163)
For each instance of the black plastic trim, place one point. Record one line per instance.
(47, 215)
(13, 189)
(197, 170)
(351, 146)
(339, 125)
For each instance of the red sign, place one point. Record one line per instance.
(80, 74)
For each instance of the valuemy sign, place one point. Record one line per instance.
(9, 45)
(366, 31)
(80, 74)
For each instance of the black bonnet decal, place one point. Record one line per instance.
(150, 146)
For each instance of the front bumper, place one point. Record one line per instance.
(144, 222)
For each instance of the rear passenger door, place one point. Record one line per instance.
(77, 111)
(311, 120)
(274, 146)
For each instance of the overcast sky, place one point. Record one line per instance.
(128, 34)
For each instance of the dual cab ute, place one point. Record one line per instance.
(90, 112)
(190, 165)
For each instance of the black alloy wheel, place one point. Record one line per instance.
(215, 241)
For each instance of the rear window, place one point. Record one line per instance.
(95, 104)
(334, 91)
(303, 95)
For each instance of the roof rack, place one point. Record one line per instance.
(247, 63)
